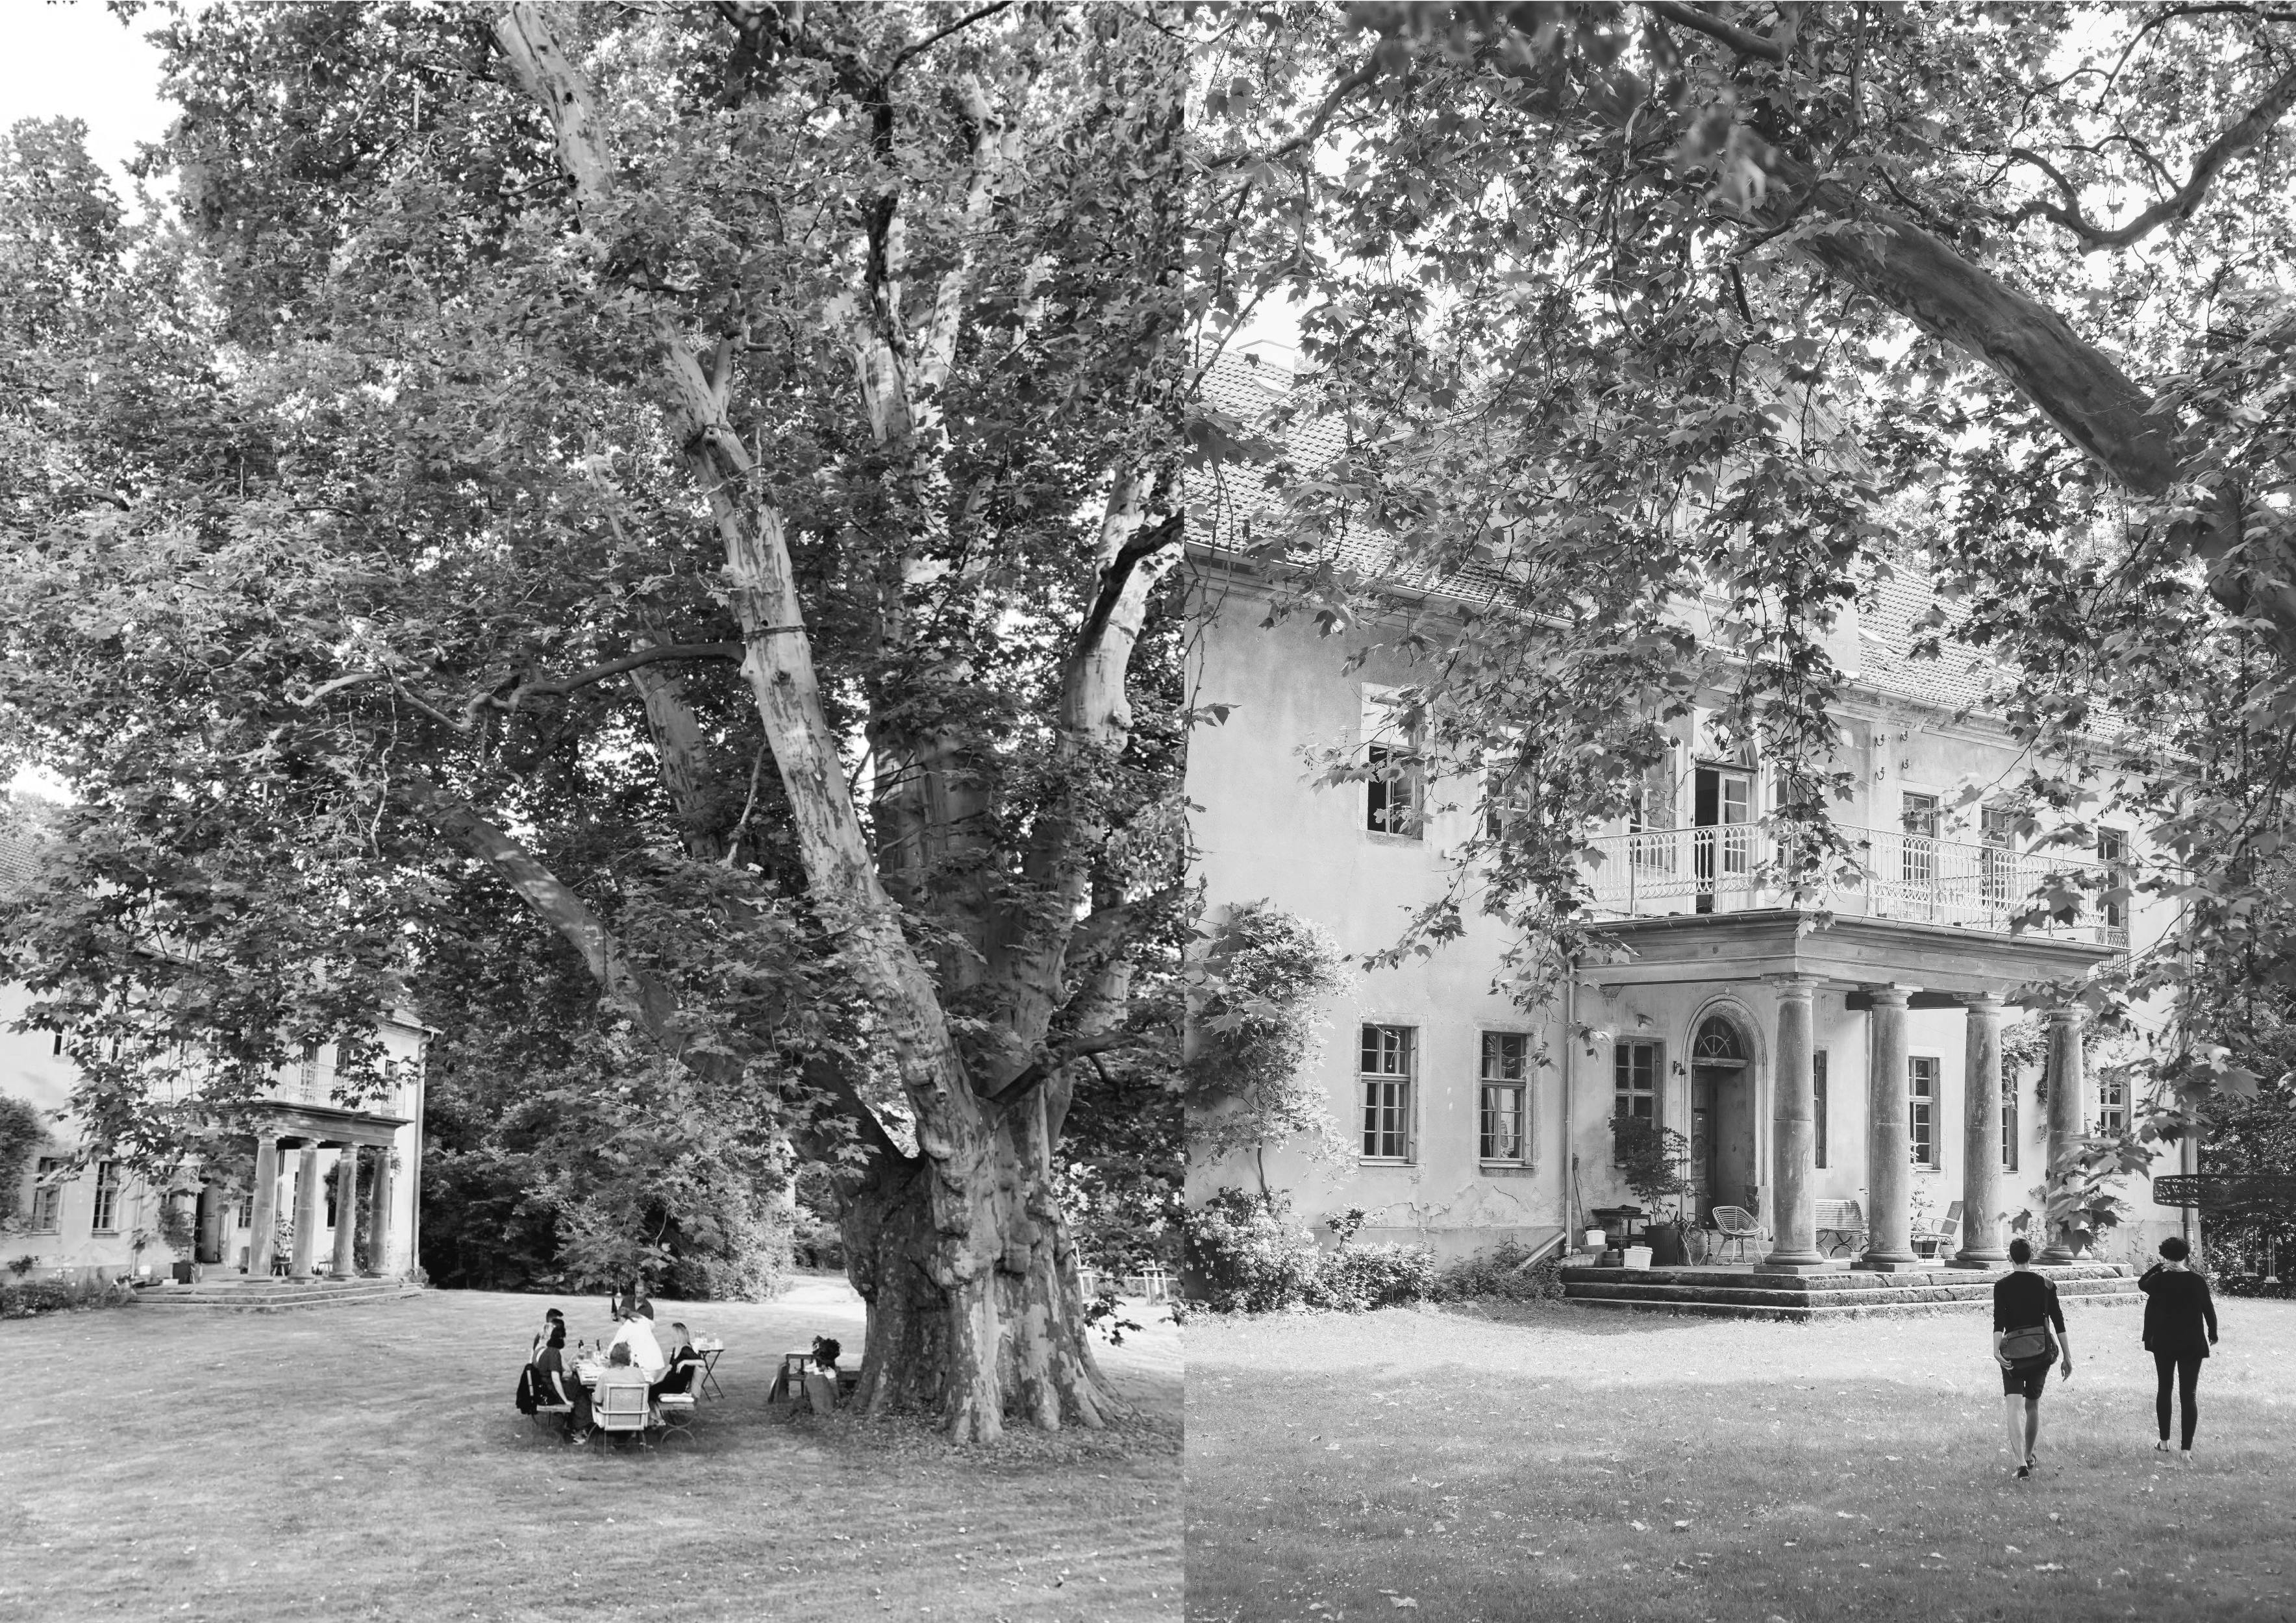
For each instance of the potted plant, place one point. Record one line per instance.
(1650, 1160)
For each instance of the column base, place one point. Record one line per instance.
(2056, 1257)
(1892, 1265)
(1798, 1265)
(1980, 1259)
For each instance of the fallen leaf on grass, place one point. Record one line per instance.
(1403, 1600)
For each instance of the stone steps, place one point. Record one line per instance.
(1834, 1294)
(275, 1296)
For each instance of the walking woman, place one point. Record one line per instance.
(2025, 1311)
(2177, 1312)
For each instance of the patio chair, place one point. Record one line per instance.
(675, 1411)
(1739, 1227)
(619, 1409)
(1938, 1242)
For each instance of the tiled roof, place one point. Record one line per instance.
(23, 839)
(1241, 509)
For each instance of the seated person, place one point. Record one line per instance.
(621, 1371)
(685, 1363)
(636, 1333)
(826, 1353)
(552, 1320)
(555, 1384)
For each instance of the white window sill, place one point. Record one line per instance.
(1384, 1160)
(1416, 842)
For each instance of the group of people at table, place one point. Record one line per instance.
(632, 1357)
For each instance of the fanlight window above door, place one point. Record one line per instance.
(1716, 1045)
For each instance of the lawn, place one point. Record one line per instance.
(1557, 1461)
(365, 1462)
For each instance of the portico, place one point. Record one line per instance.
(1886, 968)
(362, 1141)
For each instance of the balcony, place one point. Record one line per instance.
(1911, 878)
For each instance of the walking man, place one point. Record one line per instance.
(2025, 1308)
(2177, 1307)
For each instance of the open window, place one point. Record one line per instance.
(1395, 793)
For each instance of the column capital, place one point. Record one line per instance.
(1890, 994)
(1985, 1003)
(1794, 985)
(2068, 1014)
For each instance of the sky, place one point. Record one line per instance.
(78, 61)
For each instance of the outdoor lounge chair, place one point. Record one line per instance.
(1941, 1241)
(1740, 1228)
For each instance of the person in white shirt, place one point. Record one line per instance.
(636, 1333)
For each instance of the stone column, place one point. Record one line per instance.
(1980, 1142)
(346, 1264)
(1889, 1132)
(263, 1214)
(209, 1247)
(1791, 1215)
(2067, 1113)
(306, 1211)
(378, 1215)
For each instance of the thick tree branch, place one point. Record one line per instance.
(2177, 206)
(1743, 41)
(521, 690)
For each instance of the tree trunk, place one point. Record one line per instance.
(970, 1333)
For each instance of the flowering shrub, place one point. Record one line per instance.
(1249, 1254)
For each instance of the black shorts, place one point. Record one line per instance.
(2027, 1377)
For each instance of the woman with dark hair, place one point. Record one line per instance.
(552, 1320)
(2181, 1326)
(555, 1384)
(2025, 1311)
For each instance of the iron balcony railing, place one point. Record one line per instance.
(1734, 868)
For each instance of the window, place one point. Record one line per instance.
(1817, 1108)
(1653, 812)
(242, 1212)
(2112, 1107)
(1997, 858)
(1388, 1052)
(2008, 1119)
(1502, 1134)
(1922, 1084)
(58, 1046)
(1393, 795)
(106, 1220)
(47, 1196)
(1920, 822)
(1636, 1080)
(2112, 851)
(330, 1186)
(310, 1071)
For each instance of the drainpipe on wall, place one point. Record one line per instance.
(1569, 1144)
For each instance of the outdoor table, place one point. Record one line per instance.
(711, 1349)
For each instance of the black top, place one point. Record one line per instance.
(2176, 1306)
(678, 1377)
(547, 1391)
(2022, 1300)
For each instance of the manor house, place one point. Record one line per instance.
(314, 1185)
(1861, 1061)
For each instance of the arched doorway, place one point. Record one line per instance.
(1722, 1122)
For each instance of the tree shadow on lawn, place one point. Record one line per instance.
(1496, 1466)
(366, 1462)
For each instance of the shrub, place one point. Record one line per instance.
(22, 1301)
(1248, 1253)
(1500, 1273)
(1356, 1278)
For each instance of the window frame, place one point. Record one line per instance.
(2011, 1117)
(1621, 1071)
(2111, 1106)
(47, 1197)
(1519, 1085)
(1921, 1109)
(1397, 1108)
(1818, 1107)
(103, 1216)
(1383, 743)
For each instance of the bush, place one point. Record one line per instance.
(1500, 1273)
(1356, 1278)
(22, 1301)
(1249, 1254)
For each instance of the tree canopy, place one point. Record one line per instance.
(1660, 332)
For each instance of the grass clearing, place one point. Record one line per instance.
(1494, 1465)
(366, 1462)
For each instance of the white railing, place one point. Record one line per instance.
(1735, 869)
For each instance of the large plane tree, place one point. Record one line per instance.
(712, 469)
